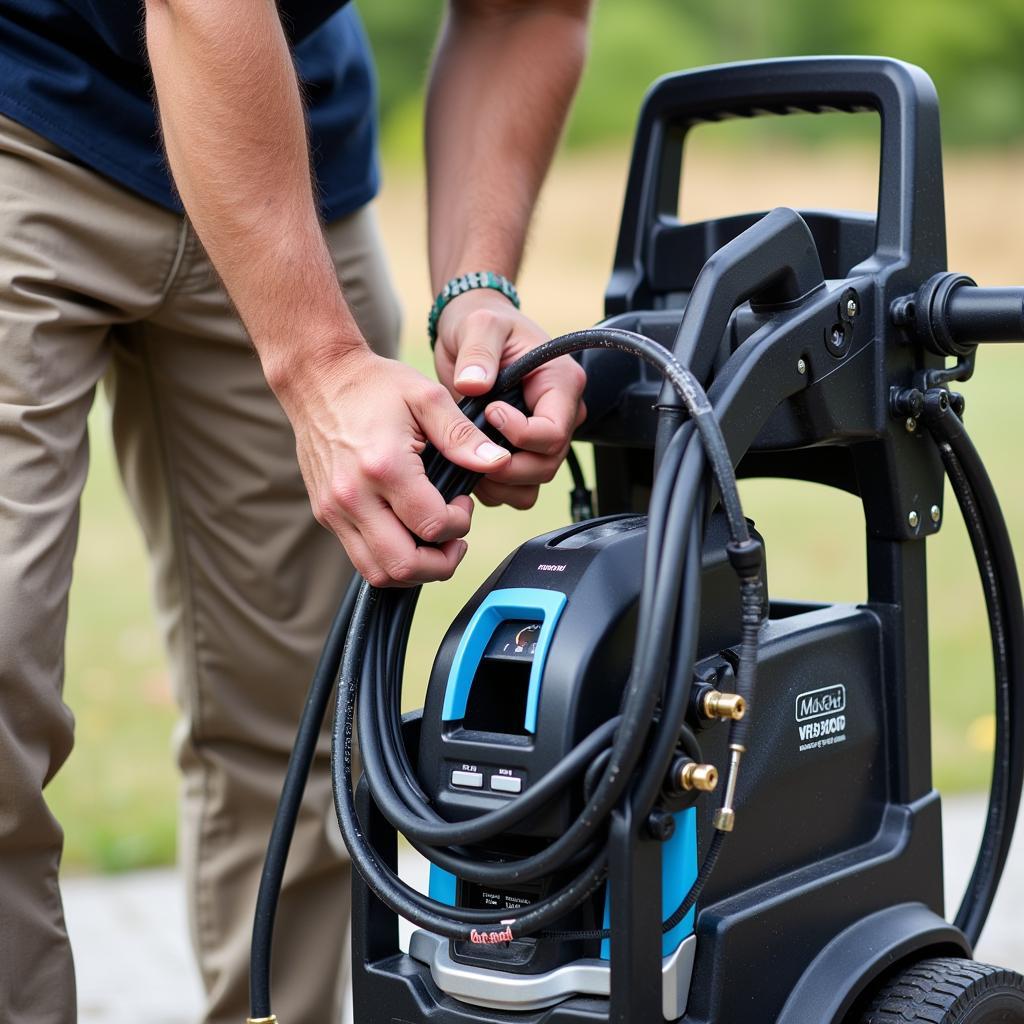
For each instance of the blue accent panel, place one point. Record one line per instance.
(678, 873)
(442, 886)
(497, 607)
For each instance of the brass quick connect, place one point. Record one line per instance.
(702, 777)
(724, 705)
(725, 816)
(272, 1019)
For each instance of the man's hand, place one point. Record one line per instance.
(481, 331)
(361, 422)
(503, 77)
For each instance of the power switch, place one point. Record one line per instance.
(470, 780)
(506, 784)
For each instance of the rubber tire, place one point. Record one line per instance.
(948, 990)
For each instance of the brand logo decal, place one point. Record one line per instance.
(551, 568)
(820, 717)
(829, 700)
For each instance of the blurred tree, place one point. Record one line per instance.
(973, 51)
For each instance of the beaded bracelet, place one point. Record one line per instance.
(466, 283)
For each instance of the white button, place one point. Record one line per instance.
(472, 779)
(506, 784)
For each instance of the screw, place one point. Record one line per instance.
(852, 309)
(936, 513)
(913, 518)
(838, 337)
(660, 825)
(911, 424)
(801, 366)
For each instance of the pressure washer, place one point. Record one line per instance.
(648, 790)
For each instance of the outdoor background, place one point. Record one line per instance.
(117, 795)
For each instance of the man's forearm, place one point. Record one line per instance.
(503, 79)
(235, 136)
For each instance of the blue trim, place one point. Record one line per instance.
(678, 873)
(442, 886)
(497, 607)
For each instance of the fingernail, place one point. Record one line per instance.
(463, 548)
(472, 374)
(491, 452)
(496, 417)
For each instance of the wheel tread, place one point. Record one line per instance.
(939, 991)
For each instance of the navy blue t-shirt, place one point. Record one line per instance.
(76, 72)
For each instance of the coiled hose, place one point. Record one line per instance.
(370, 664)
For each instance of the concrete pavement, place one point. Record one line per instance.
(134, 965)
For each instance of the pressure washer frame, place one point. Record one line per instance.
(811, 332)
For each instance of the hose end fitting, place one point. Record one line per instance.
(725, 819)
(702, 777)
(725, 816)
(746, 557)
(724, 705)
(272, 1019)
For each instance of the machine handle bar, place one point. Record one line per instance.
(950, 315)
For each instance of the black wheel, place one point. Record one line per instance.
(948, 991)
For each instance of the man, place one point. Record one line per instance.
(102, 277)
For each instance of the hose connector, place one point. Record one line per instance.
(702, 777)
(746, 557)
(728, 706)
(725, 816)
(272, 1019)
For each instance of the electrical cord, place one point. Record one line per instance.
(299, 764)
(581, 499)
(997, 567)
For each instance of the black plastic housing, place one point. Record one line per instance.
(586, 669)
(834, 872)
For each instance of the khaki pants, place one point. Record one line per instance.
(97, 284)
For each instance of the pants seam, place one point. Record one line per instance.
(191, 654)
(167, 285)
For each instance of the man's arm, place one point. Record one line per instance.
(503, 78)
(235, 136)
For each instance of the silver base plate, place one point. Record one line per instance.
(501, 990)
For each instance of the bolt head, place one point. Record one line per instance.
(801, 366)
(852, 309)
(913, 518)
(661, 826)
(911, 424)
(936, 513)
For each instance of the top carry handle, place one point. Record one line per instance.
(910, 218)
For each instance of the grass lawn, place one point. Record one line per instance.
(116, 796)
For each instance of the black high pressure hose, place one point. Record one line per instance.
(997, 567)
(378, 626)
(397, 798)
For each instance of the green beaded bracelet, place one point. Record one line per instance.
(466, 283)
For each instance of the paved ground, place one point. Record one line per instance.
(134, 965)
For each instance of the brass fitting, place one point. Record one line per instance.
(703, 777)
(724, 705)
(272, 1019)
(725, 818)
